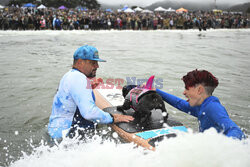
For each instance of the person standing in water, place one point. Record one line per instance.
(74, 103)
(199, 87)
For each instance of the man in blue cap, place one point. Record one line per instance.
(74, 103)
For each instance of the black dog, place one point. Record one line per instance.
(145, 104)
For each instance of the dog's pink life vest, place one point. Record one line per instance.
(135, 94)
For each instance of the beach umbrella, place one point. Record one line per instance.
(41, 7)
(129, 10)
(138, 9)
(125, 7)
(81, 8)
(146, 11)
(62, 7)
(160, 9)
(108, 10)
(181, 10)
(170, 10)
(29, 5)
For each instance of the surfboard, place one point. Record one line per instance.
(108, 99)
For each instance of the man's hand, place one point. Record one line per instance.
(95, 82)
(122, 118)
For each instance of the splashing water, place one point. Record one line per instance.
(191, 149)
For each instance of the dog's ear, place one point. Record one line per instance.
(126, 89)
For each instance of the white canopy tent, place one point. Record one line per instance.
(41, 7)
(146, 11)
(160, 9)
(170, 10)
(217, 11)
(1, 7)
(138, 9)
(129, 10)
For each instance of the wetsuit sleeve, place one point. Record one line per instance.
(178, 103)
(82, 96)
(218, 114)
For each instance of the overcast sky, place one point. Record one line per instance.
(148, 2)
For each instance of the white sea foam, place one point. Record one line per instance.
(72, 32)
(191, 149)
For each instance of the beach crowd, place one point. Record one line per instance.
(78, 19)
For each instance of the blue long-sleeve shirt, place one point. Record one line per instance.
(74, 92)
(210, 114)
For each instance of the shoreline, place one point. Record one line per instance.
(115, 30)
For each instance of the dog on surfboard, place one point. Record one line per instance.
(143, 100)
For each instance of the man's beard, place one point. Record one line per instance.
(92, 74)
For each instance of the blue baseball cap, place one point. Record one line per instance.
(87, 52)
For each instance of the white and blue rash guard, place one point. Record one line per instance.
(210, 114)
(74, 93)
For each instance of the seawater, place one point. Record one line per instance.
(33, 62)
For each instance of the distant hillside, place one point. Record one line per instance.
(4, 2)
(176, 4)
(241, 7)
(114, 7)
(188, 5)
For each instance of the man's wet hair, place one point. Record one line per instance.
(207, 79)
